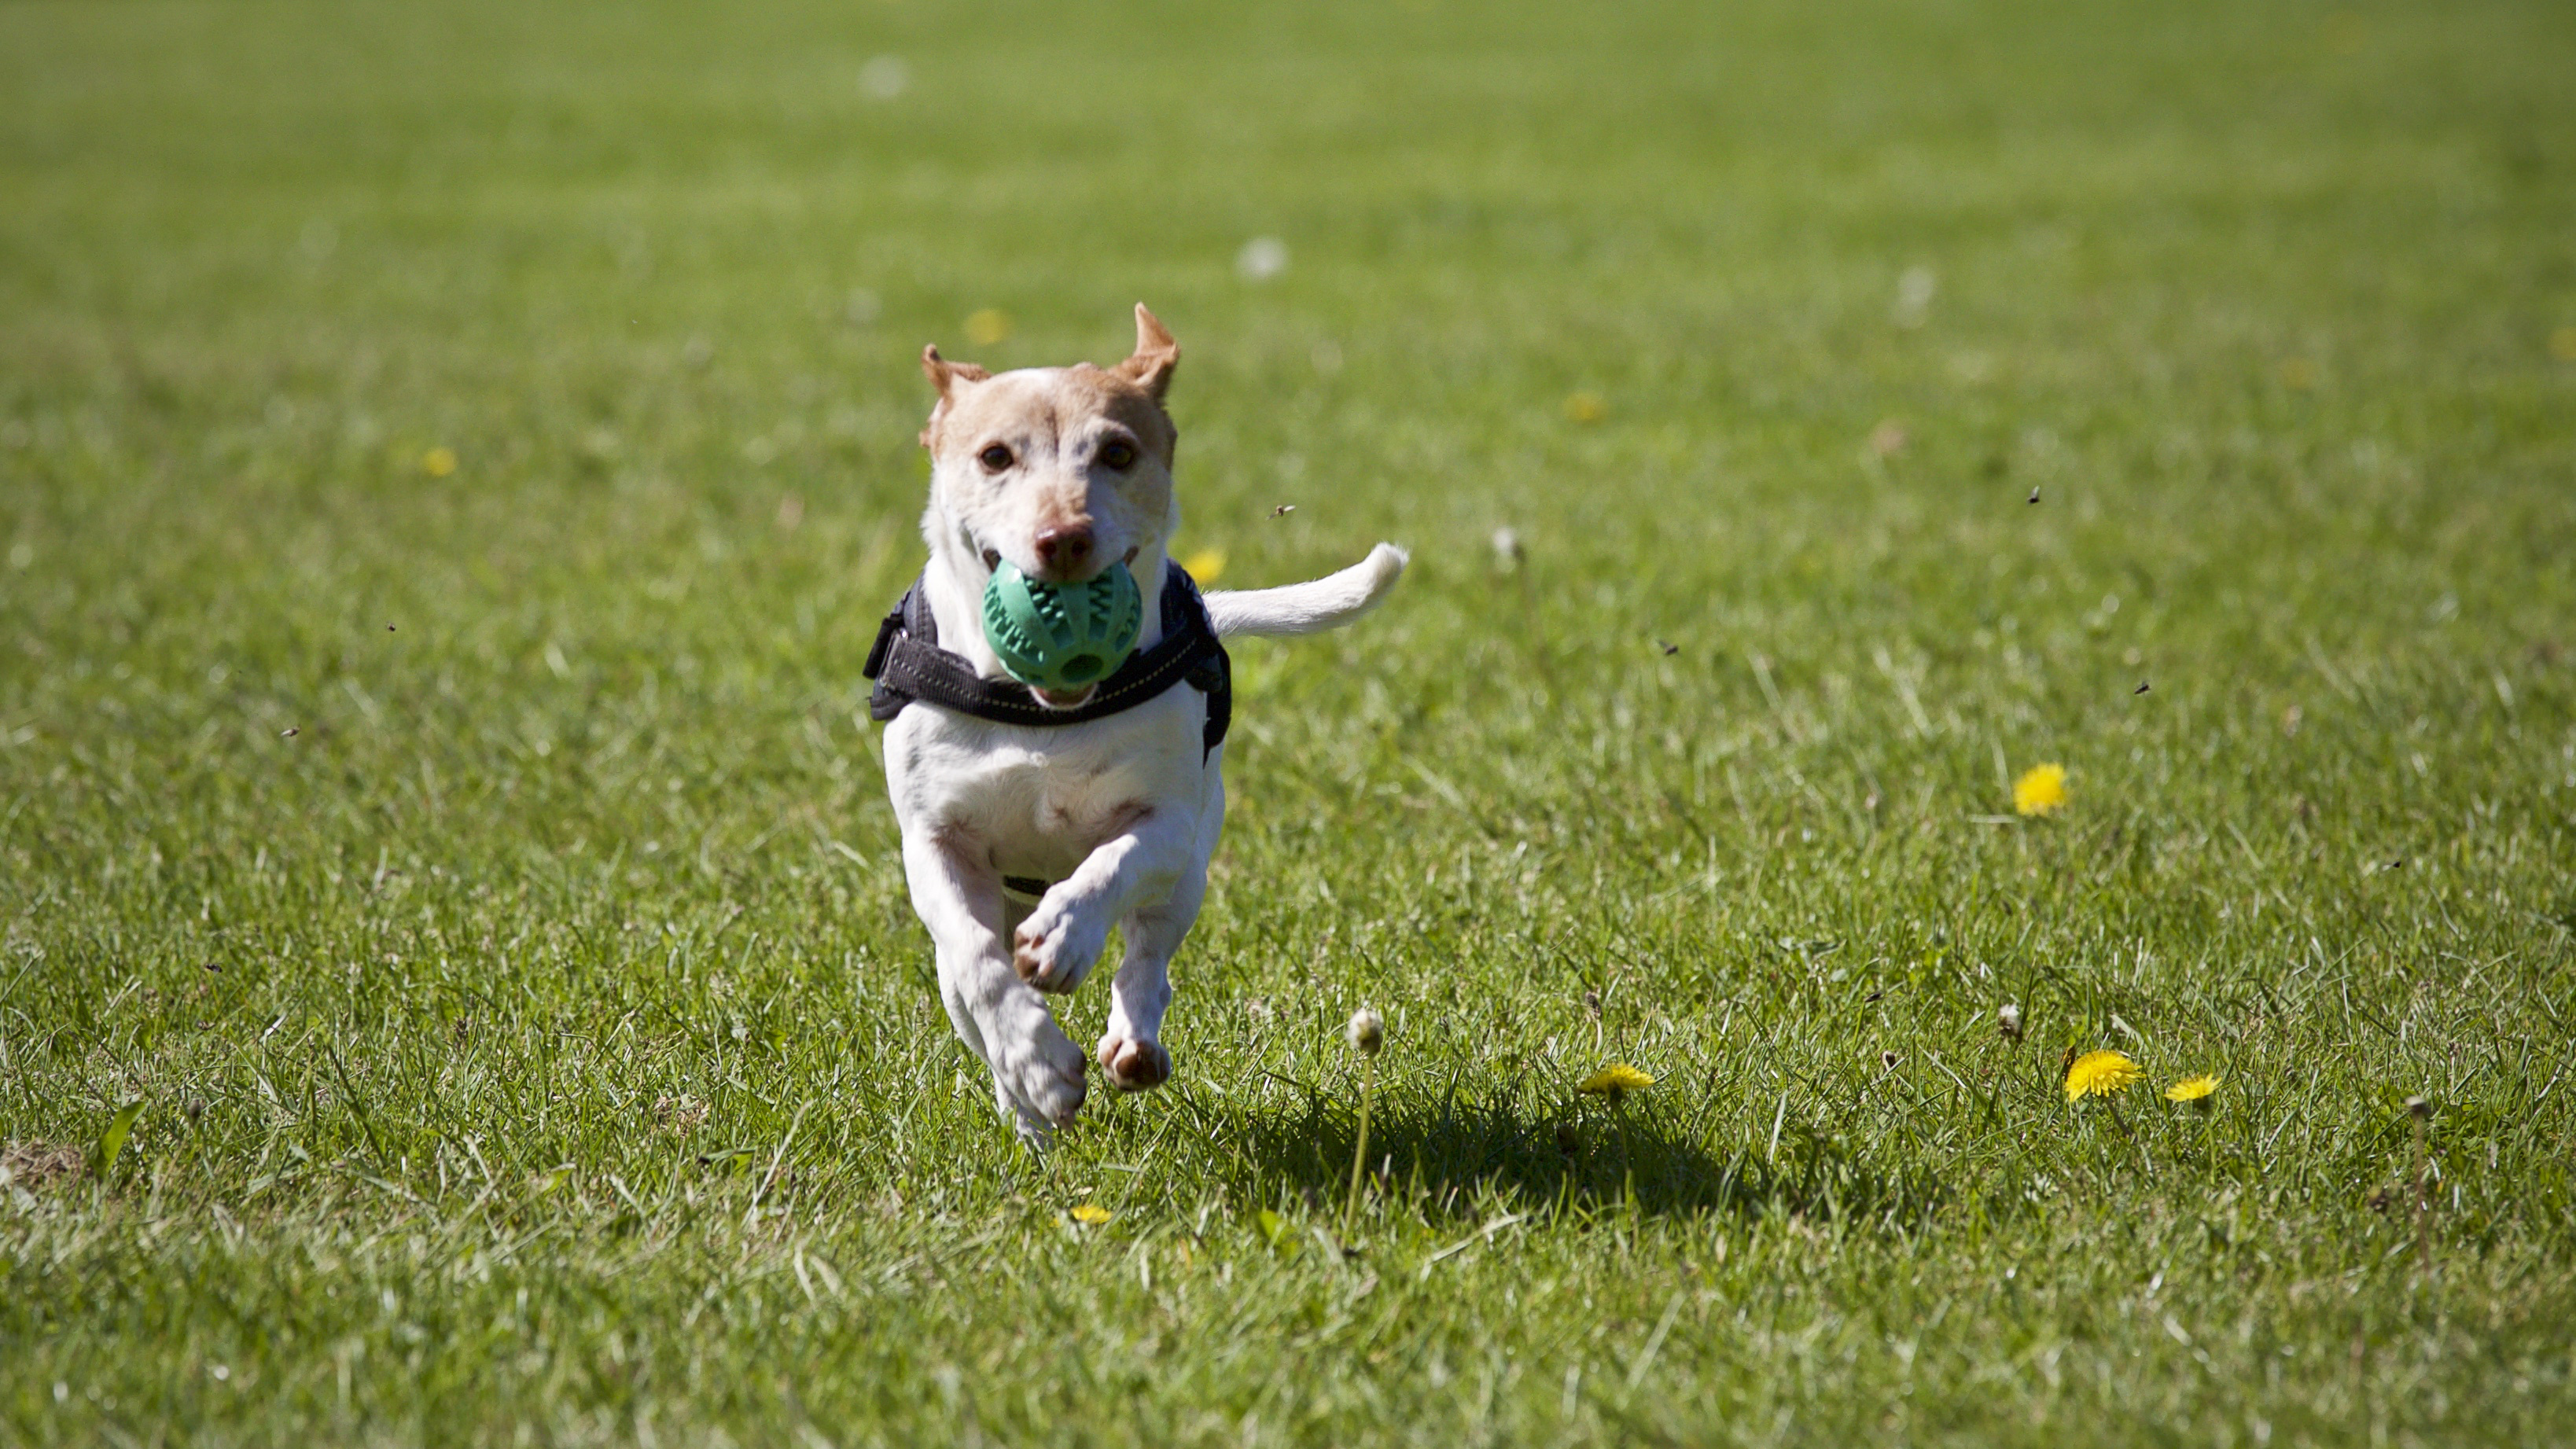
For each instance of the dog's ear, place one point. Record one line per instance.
(1156, 354)
(944, 375)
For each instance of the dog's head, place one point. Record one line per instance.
(1064, 471)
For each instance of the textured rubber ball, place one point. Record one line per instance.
(1062, 637)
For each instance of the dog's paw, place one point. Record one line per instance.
(1040, 1079)
(1134, 1066)
(1055, 948)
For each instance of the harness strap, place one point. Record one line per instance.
(908, 665)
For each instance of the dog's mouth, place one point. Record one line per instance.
(993, 560)
(1051, 698)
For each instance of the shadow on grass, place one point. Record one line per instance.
(1457, 1157)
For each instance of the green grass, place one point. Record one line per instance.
(537, 1046)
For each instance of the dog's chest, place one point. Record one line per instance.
(1038, 798)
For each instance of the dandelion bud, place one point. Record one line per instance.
(2418, 1108)
(2008, 1021)
(1367, 1032)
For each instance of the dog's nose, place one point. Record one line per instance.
(1065, 550)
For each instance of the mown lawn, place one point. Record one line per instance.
(453, 457)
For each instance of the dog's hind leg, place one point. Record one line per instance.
(1131, 1050)
(1037, 1072)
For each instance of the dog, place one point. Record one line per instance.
(1035, 820)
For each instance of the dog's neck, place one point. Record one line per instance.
(955, 580)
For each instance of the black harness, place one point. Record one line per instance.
(908, 665)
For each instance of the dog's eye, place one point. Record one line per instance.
(995, 458)
(1118, 454)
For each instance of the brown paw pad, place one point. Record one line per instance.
(1136, 1066)
(1025, 962)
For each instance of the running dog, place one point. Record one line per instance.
(1034, 820)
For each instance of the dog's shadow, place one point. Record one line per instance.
(1454, 1156)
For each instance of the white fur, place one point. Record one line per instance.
(1311, 607)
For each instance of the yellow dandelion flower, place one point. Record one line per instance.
(2040, 790)
(988, 327)
(2192, 1089)
(2099, 1074)
(1615, 1081)
(1091, 1213)
(1586, 407)
(438, 462)
(1205, 564)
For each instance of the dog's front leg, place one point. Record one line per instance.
(1056, 947)
(1037, 1071)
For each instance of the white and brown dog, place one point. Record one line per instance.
(1025, 838)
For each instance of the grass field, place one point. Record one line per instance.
(453, 457)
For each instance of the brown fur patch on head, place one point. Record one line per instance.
(1121, 398)
(1012, 405)
(1131, 392)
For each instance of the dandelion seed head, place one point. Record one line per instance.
(884, 77)
(1367, 1031)
(1262, 258)
(1915, 288)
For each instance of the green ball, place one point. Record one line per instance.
(1062, 636)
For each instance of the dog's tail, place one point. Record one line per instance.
(1311, 607)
